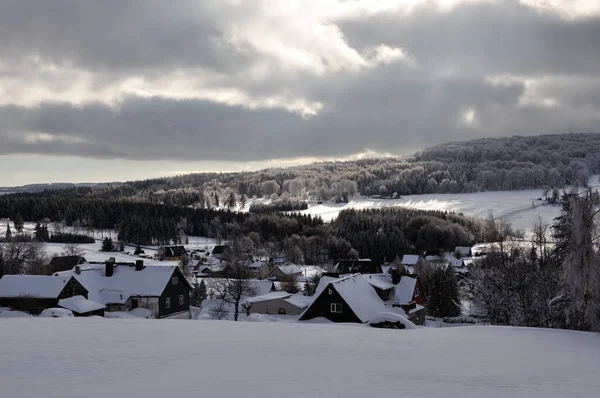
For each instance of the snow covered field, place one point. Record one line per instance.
(100, 358)
(520, 208)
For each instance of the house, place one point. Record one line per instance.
(278, 303)
(281, 272)
(255, 268)
(463, 251)
(408, 295)
(400, 292)
(349, 299)
(219, 251)
(65, 263)
(162, 289)
(410, 262)
(80, 306)
(353, 266)
(35, 293)
(171, 253)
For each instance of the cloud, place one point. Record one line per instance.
(250, 81)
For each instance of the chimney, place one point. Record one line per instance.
(110, 268)
(395, 276)
(139, 265)
(77, 269)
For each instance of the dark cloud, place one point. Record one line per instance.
(547, 68)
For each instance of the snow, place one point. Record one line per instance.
(94, 358)
(14, 314)
(380, 281)
(520, 208)
(405, 289)
(299, 300)
(268, 297)
(80, 304)
(56, 313)
(141, 313)
(39, 286)
(290, 269)
(410, 259)
(391, 317)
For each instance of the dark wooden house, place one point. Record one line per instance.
(35, 293)
(162, 289)
(171, 253)
(349, 299)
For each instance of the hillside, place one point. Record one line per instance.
(99, 358)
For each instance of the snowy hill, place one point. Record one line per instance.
(100, 358)
(520, 208)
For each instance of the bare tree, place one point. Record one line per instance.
(73, 249)
(219, 311)
(25, 258)
(237, 285)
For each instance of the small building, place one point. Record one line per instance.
(162, 289)
(281, 272)
(278, 303)
(80, 306)
(463, 251)
(408, 295)
(35, 293)
(65, 263)
(219, 251)
(171, 253)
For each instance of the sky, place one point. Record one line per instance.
(113, 91)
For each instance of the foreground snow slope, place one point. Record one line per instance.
(100, 358)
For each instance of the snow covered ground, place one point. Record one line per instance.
(520, 208)
(100, 358)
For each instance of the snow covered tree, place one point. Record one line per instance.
(581, 264)
(198, 294)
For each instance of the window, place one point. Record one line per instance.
(418, 315)
(181, 299)
(167, 303)
(281, 311)
(329, 291)
(336, 308)
(174, 280)
(134, 303)
(417, 292)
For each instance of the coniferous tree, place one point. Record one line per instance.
(19, 222)
(443, 298)
(107, 245)
(8, 234)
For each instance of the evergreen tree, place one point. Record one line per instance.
(19, 223)
(198, 294)
(107, 245)
(2, 263)
(444, 298)
(8, 232)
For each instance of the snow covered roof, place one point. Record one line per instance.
(405, 289)
(124, 283)
(38, 286)
(262, 287)
(323, 283)
(299, 300)
(268, 297)
(410, 259)
(290, 269)
(256, 264)
(80, 304)
(380, 281)
(359, 296)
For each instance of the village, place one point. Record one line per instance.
(198, 282)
